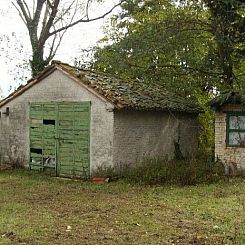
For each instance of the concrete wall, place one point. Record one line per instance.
(138, 135)
(14, 129)
(232, 156)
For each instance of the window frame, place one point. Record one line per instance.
(229, 130)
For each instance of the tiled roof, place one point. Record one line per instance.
(123, 94)
(230, 97)
(134, 94)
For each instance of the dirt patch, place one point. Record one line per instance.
(14, 238)
(4, 167)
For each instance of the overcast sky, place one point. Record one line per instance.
(18, 48)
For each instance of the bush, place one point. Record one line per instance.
(155, 171)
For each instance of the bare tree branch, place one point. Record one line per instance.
(49, 3)
(45, 34)
(65, 12)
(58, 45)
(87, 8)
(20, 14)
(33, 4)
(82, 20)
(51, 53)
(23, 10)
(45, 17)
(53, 20)
(28, 11)
(52, 50)
(38, 11)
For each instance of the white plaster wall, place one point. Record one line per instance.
(14, 130)
(139, 135)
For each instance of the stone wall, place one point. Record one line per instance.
(139, 135)
(230, 156)
(14, 129)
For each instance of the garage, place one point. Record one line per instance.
(73, 122)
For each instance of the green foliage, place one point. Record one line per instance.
(227, 27)
(181, 172)
(206, 120)
(194, 48)
(154, 41)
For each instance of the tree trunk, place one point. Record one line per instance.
(38, 63)
(52, 20)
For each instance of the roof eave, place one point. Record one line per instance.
(128, 108)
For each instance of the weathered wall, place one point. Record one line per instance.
(116, 137)
(138, 135)
(14, 129)
(227, 155)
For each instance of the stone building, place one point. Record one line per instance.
(230, 131)
(72, 122)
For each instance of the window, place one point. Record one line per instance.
(48, 122)
(235, 129)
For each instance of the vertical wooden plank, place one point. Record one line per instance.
(42, 137)
(74, 118)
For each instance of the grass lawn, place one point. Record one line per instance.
(36, 209)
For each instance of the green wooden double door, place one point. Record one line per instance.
(59, 138)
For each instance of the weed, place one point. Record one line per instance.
(189, 171)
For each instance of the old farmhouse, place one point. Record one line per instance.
(230, 131)
(72, 122)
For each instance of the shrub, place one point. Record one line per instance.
(189, 171)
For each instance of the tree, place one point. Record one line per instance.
(192, 47)
(48, 20)
(227, 22)
(153, 40)
(176, 43)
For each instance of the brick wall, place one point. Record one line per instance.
(228, 155)
(138, 135)
(14, 129)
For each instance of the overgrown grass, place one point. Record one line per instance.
(36, 209)
(189, 171)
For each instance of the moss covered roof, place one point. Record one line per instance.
(123, 94)
(134, 94)
(230, 97)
